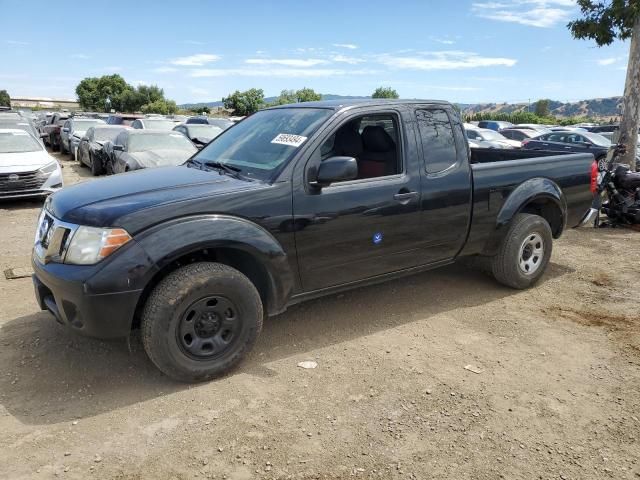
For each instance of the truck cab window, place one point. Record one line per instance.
(372, 140)
(438, 142)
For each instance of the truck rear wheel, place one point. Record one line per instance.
(200, 321)
(524, 253)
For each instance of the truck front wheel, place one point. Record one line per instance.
(524, 253)
(200, 321)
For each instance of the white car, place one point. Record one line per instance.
(26, 168)
(485, 138)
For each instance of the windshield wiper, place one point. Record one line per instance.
(229, 169)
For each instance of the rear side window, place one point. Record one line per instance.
(438, 141)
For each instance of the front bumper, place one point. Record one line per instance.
(98, 300)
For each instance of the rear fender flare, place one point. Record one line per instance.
(527, 193)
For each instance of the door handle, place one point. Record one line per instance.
(405, 196)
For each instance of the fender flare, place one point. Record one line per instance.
(166, 242)
(530, 191)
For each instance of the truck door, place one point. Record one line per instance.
(446, 183)
(356, 229)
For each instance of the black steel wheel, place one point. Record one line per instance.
(208, 327)
(200, 321)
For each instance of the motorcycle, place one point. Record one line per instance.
(617, 192)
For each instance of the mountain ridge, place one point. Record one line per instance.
(595, 107)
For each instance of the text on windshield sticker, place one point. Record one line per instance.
(289, 139)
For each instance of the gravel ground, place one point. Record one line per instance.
(441, 375)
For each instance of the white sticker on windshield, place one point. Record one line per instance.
(289, 139)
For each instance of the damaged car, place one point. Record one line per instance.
(137, 149)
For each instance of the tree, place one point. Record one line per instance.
(542, 108)
(161, 106)
(286, 97)
(607, 21)
(307, 95)
(93, 92)
(5, 99)
(244, 103)
(385, 92)
(201, 109)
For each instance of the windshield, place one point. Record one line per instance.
(264, 141)
(204, 131)
(491, 135)
(83, 125)
(106, 134)
(598, 139)
(18, 142)
(159, 124)
(159, 141)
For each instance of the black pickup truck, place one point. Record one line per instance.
(292, 203)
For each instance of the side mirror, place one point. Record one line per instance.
(65, 130)
(336, 169)
(118, 148)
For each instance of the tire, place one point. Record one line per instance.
(54, 146)
(601, 161)
(520, 262)
(200, 321)
(96, 167)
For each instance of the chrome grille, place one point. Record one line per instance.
(19, 182)
(52, 238)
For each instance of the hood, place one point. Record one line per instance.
(511, 143)
(23, 162)
(104, 201)
(79, 133)
(162, 158)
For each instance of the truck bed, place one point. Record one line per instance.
(498, 174)
(489, 155)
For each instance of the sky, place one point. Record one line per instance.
(198, 51)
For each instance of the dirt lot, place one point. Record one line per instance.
(551, 390)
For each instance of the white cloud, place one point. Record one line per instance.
(287, 62)
(345, 59)
(197, 60)
(277, 72)
(113, 69)
(443, 41)
(348, 46)
(165, 70)
(80, 56)
(17, 42)
(534, 13)
(445, 60)
(609, 61)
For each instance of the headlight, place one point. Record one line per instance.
(48, 169)
(89, 245)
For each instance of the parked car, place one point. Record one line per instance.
(486, 138)
(494, 125)
(21, 124)
(532, 126)
(520, 134)
(26, 168)
(136, 149)
(123, 118)
(50, 132)
(153, 123)
(199, 134)
(90, 148)
(218, 122)
(571, 141)
(292, 203)
(72, 132)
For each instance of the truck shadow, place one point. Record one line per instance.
(50, 375)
